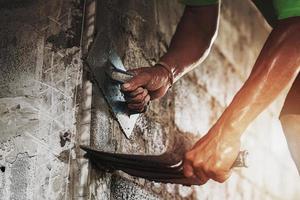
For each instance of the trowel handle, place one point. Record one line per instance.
(120, 76)
(241, 160)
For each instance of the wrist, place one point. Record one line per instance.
(170, 76)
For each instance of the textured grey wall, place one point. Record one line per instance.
(45, 101)
(40, 75)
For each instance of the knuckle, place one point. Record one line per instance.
(146, 100)
(198, 164)
(216, 168)
(201, 178)
(207, 170)
(139, 97)
(145, 91)
(138, 90)
(221, 179)
(214, 171)
(189, 156)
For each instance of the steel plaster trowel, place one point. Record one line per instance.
(110, 73)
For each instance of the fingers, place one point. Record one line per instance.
(187, 165)
(147, 84)
(137, 81)
(138, 99)
(222, 178)
(153, 94)
(201, 176)
(203, 170)
(134, 93)
(136, 71)
(150, 78)
(197, 174)
(198, 168)
(136, 96)
(139, 106)
(188, 169)
(217, 173)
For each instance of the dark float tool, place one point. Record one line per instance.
(164, 168)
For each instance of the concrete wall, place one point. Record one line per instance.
(47, 108)
(40, 76)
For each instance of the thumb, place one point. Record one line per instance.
(136, 71)
(138, 80)
(188, 170)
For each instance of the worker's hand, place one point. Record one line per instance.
(212, 157)
(148, 83)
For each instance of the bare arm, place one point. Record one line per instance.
(276, 67)
(193, 39)
(189, 46)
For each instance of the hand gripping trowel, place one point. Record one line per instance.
(164, 168)
(109, 73)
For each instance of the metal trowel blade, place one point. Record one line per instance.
(101, 58)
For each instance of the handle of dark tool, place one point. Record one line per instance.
(241, 160)
(120, 76)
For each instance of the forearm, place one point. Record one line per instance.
(192, 40)
(276, 67)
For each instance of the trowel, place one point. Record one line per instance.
(110, 73)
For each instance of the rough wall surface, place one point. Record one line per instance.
(41, 77)
(141, 31)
